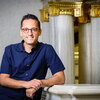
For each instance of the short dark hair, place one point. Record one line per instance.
(30, 16)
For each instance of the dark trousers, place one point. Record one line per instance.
(5, 97)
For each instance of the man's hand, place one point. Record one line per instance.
(32, 87)
(35, 83)
(30, 92)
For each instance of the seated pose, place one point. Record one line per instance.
(24, 65)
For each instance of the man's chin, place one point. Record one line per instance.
(31, 43)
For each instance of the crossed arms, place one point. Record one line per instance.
(33, 85)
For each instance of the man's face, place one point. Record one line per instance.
(30, 31)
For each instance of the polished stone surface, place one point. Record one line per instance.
(74, 92)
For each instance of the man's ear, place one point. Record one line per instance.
(40, 32)
(20, 33)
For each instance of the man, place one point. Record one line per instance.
(24, 65)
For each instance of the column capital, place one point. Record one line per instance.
(95, 10)
(61, 8)
(83, 11)
(44, 15)
(65, 8)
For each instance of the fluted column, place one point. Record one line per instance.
(89, 51)
(85, 53)
(52, 31)
(63, 40)
(45, 37)
(95, 53)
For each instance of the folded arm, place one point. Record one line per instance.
(57, 78)
(33, 85)
(6, 81)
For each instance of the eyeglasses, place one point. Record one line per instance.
(26, 30)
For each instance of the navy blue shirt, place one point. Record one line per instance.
(26, 66)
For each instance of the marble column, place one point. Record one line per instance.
(85, 53)
(89, 44)
(95, 53)
(45, 36)
(52, 31)
(63, 40)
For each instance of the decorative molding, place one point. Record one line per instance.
(83, 19)
(95, 10)
(77, 9)
(86, 17)
(44, 15)
(63, 8)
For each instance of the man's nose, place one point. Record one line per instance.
(30, 32)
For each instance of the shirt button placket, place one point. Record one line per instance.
(28, 54)
(26, 74)
(27, 65)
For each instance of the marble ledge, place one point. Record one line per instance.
(80, 89)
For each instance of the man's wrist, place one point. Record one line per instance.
(42, 83)
(24, 84)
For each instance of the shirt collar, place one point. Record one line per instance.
(21, 48)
